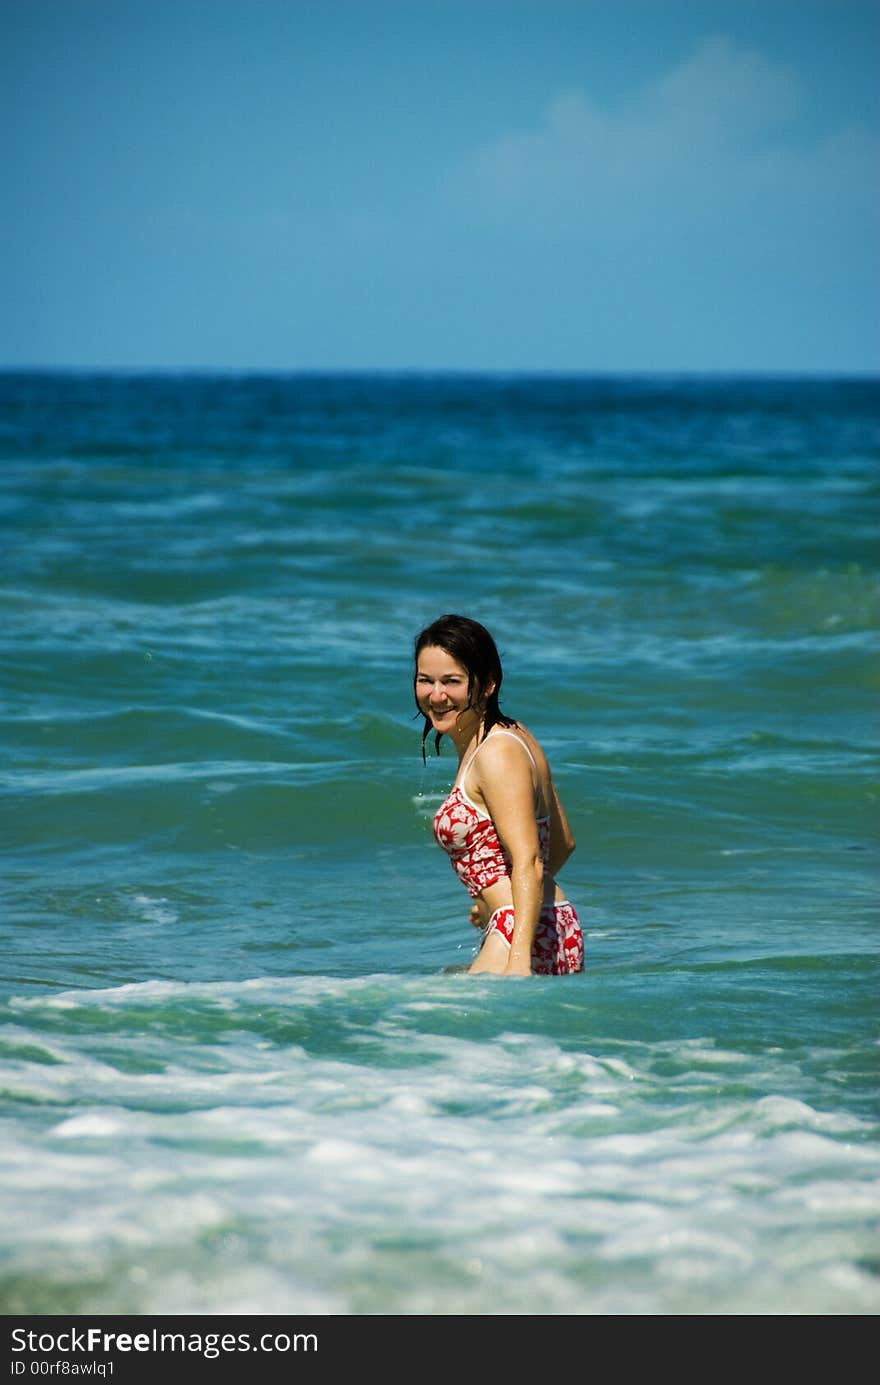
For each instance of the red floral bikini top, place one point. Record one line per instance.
(469, 838)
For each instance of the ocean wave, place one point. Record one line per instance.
(361, 1175)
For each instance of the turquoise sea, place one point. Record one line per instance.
(242, 1071)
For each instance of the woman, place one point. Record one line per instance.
(502, 825)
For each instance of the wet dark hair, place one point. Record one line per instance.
(471, 645)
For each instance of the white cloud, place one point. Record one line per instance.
(723, 96)
(697, 148)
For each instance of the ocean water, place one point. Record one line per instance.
(242, 1071)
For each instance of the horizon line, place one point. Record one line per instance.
(457, 372)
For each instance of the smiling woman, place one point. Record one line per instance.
(502, 825)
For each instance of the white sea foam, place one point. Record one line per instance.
(91, 1126)
(237, 1161)
(155, 910)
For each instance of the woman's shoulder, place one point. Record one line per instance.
(500, 745)
(508, 754)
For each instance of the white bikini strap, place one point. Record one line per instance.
(498, 731)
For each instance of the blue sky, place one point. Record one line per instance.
(563, 185)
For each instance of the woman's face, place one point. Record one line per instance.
(441, 688)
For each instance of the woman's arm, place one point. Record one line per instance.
(505, 783)
(562, 841)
